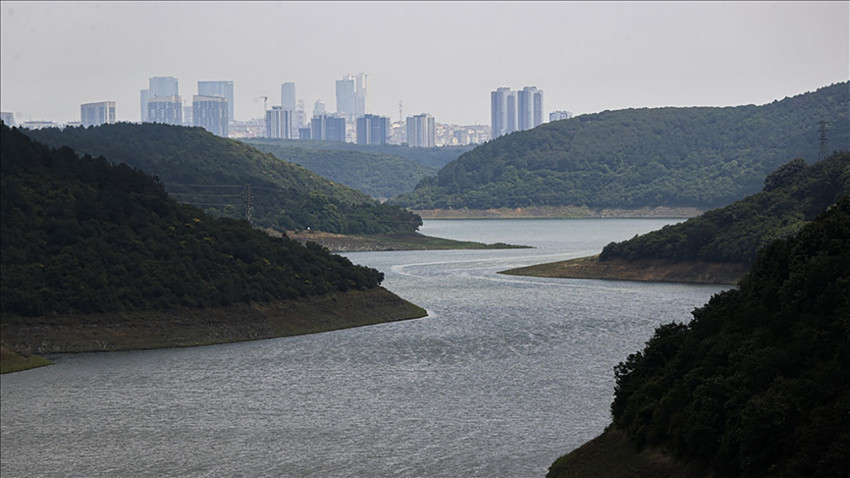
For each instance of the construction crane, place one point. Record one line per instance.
(265, 103)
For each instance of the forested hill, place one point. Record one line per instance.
(379, 175)
(793, 195)
(701, 157)
(83, 235)
(199, 168)
(435, 157)
(757, 384)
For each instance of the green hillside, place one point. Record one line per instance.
(793, 195)
(701, 157)
(435, 157)
(376, 174)
(199, 168)
(83, 235)
(757, 384)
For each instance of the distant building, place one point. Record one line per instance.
(420, 131)
(559, 115)
(166, 110)
(319, 108)
(37, 124)
(221, 89)
(372, 129)
(158, 87)
(515, 110)
(279, 122)
(502, 111)
(328, 128)
(7, 118)
(210, 113)
(352, 95)
(529, 108)
(304, 133)
(93, 114)
(287, 96)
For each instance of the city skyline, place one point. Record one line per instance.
(434, 57)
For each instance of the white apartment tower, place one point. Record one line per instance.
(279, 123)
(93, 114)
(421, 131)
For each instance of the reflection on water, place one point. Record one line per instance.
(505, 375)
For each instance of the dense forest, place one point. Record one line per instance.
(202, 169)
(757, 384)
(84, 235)
(434, 158)
(792, 195)
(702, 157)
(379, 175)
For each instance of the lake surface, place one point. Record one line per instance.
(505, 375)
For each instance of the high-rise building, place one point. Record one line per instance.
(165, 109)
(421, 131)
(158, 87)
(361, 97)
(8, 118)
(345, 96)
(328, 128)
(372, 129)
(319, 108)
(352, 95)
(529, 108)
(287, 96)
(221, 89)
(279, 122)
(560, 115)
(93, 114)
(210, 113)
(502, 111)
(515, 110)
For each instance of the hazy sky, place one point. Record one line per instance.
(441, 58)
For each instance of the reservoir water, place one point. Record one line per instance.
(505, 375)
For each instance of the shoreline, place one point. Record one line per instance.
(560, 212)
(643, 270)
(189, 327)
(389, 242)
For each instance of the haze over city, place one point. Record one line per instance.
(441, 58)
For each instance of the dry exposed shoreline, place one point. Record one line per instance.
(648, 270)
(558, 212)
(191, 327)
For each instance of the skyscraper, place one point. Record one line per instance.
(328, 128)
(515, 110)
(158, 87)
(345, 96)
(210, 113)
(287, 96)
(279, 122)
(372, 129)
(165, 109)
(420, 131)
(352, 95)
(529, 108)
(93, 114)
(502, 111)
(221, 89)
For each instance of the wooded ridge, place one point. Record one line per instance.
(702, 157)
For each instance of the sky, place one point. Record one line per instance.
(442, 58)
